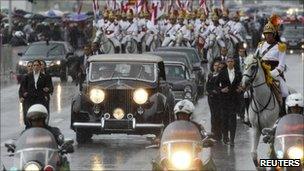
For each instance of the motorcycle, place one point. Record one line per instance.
(181, 148)
(36, 149)
(287, 140)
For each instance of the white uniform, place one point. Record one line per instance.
(169, 33)
(142, 28)
(131, 31)
(276, 53)
(239, 31)
(216, 31)
(113, 33)
(152, 30)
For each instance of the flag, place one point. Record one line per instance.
(223, 5)
(95, 9)
(139, 6)
(204, 6)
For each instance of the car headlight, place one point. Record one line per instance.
(283, 39)
(181, 160)
(58, 62)
(118, 113)
(32, 166)
(295, 152)
(302, 46)
(97, 95)
(188, 95)
(22, 63)
(140, 96)
(187, 89)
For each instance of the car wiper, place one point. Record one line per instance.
(139, 74)
(48, 52)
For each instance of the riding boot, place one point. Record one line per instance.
(282, 108)
(123, 48)
(139, 48)
(148, 48)
(117, 49)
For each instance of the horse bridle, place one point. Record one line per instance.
(253, 75)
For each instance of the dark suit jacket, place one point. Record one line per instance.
(223, 81)
(211, 87)
(36, 95)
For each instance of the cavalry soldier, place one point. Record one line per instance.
(142, 29)
(183, 28)
(169, 31)
(131, 31)
(273, 51)
(238, 29)
(152, 29)
(216, 29)
(113, 32)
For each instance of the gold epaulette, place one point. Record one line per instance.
(282, 47)
(261, 43)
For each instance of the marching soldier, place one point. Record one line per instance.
(272, 52)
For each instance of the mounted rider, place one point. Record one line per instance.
(112, 32)
(130, 32)
(273, 52)
(183, 29)
(169, 31)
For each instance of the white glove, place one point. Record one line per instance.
(274, 73)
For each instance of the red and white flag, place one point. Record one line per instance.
(139, 6)
(95, 8)
(204, 6)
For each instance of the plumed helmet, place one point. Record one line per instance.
(184, 106)
(106, 13)
(273, 24)
(295, 99)
(111, 15)
(37, 111)
(214, 17)
(172, 16)
(203, 17)
(123, 15)
(181, 15)
(130, 14)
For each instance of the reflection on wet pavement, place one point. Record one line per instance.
(58, 97)
(96, 160)
(20, 114)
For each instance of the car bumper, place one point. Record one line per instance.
(124, 125)
(54, 70)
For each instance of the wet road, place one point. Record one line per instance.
(122, 152)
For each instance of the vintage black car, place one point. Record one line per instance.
(293, 36)
(123, 93)
(198, 65)
(184, 86)
(54, 53)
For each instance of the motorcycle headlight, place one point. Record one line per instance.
(188, 95)
(302, 46)
(140, 96)
(32, 166)
(97, 95)
(22, 63)
(181, 160)
(295, 152)
(245, 45)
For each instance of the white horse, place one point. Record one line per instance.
(214, 49)
(264, 107)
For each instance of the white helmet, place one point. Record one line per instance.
(184, 106)
(37, 111)
(295, 99)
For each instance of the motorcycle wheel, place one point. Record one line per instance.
(131, 46)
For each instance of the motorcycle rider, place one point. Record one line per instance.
(294, 105)
(183, 110)
(37, 116)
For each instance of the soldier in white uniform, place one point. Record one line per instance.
(238, 28)
(113, 32)
(170, 30)
(215, 29)
(142, 29)
(152, 30)
(130, 32)
(273, 53)
(183, 29)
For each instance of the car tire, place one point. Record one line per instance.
(83, 136)
(64, 74)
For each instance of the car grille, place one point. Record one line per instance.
(119, 99)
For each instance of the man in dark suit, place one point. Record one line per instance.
(50, 83)
(228, 84)
(37, 86)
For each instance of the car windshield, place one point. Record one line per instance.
(43, 49)
(118, 70)
(293, 31)
(175, 71)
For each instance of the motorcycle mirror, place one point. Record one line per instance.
(266, 131)
(207, 143)
(19, 53)
(10, 147)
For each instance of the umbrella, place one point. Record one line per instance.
(53, 13)
(77, 17)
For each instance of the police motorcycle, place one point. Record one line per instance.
(181, 148)
(37, 149)
(287, 139)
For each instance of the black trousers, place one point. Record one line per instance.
(216, 120)
(228, 114)
(25, 107)
(241, 106)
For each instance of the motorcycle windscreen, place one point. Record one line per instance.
(181, 130)
(290, 124)
(36, 138)
(289, 146)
